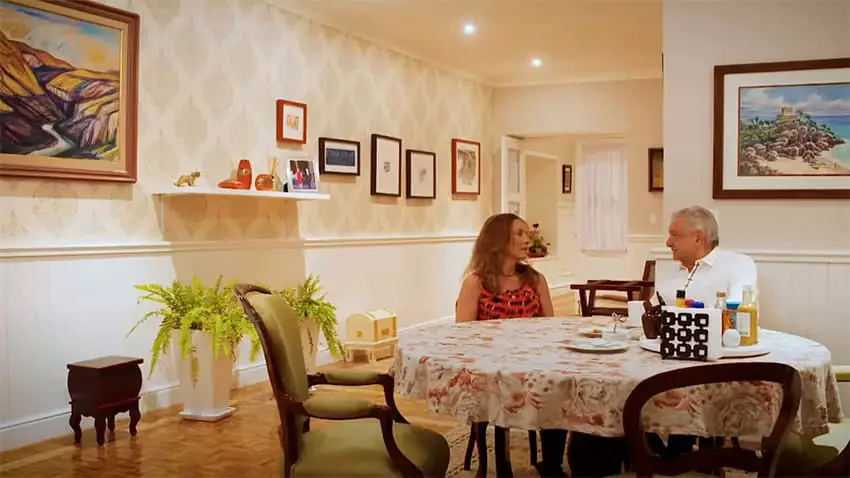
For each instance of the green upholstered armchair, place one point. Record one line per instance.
(370, 440)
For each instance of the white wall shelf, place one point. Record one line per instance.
(214, 191)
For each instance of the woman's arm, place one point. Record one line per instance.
(466, 308)
(545, 297)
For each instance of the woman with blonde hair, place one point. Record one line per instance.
(499, 284)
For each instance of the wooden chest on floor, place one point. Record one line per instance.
(374, 332)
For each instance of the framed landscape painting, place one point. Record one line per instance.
(782, 130)
(68, 90)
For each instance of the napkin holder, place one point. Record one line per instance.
(691, 334)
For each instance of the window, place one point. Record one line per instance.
(602, 197)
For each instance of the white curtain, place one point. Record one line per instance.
(602, 206)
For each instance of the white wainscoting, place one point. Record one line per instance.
(62, 304)
(806, 293)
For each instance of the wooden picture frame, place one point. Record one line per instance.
(291, 122)
(466, 166)
(386, 166)
(421, 174)
(339, 156)
(655, 164)
(302, 175)
(566, 178)
(772, 140)
(93, 134)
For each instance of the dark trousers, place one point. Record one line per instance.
(593, 456)
(553, 446)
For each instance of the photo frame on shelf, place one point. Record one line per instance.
(421, 174)
(566, 178)
(386, 166)
(339, 156)
(656, 169)
(291, 121)
(94, 134)
(782, 130)
(466, 166)
(302, 175)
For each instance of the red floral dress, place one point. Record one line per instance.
(517, 303)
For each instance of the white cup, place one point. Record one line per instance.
(635, 312)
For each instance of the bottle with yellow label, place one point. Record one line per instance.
(747, 317)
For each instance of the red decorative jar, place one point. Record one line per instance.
(244, 174)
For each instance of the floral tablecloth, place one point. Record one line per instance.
(517, 373)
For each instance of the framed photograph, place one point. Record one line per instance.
(421, 174)
(291, 122)
(339, 156)
(71, 109)
(302, 175)
(566, 178)
(656, 169)
(782, 130)
(386, 165)
(466, 166)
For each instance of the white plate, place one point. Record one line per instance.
(597, 345)
(757, 350)
(631, 332)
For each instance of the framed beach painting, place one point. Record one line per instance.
(466, 166)
(782, 130)
(68, 90)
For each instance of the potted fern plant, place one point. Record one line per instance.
(202, 328)
(316, 314)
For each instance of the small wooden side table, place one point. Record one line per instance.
(101, 388)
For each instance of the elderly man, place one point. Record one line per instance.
(704, 270)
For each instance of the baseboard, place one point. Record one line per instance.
(55, 424)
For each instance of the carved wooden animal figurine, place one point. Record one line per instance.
(188, 179)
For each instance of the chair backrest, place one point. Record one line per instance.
(280, 335)
(645, 463)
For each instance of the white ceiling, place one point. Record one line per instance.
(578, 40)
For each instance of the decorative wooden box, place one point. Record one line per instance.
(374, 332)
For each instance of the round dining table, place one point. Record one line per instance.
(521, 373)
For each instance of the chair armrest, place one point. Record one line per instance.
(339, 408)
(358, 378)
(345, 377)
(842, 373)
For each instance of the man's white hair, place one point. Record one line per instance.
(702, 220)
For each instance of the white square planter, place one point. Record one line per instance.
(207, 397)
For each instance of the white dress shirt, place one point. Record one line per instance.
(720, 270)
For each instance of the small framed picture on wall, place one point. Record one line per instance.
(566, 178)
(466, 166)
(302, 175)
(656, 169)
(386, 165)
(421, 174)
(339, 156)
(291, 122)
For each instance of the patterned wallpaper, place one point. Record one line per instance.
(209, 76)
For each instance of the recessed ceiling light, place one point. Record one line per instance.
(536, 62)
(469, 29)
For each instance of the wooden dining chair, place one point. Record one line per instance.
(644, 463)
(826, 455)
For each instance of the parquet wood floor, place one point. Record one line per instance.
(244, 444)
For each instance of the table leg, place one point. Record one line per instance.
(481, 441)
(110, 423)
(503, 464)
(100, 428)
(135, 416)
(74, 422)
